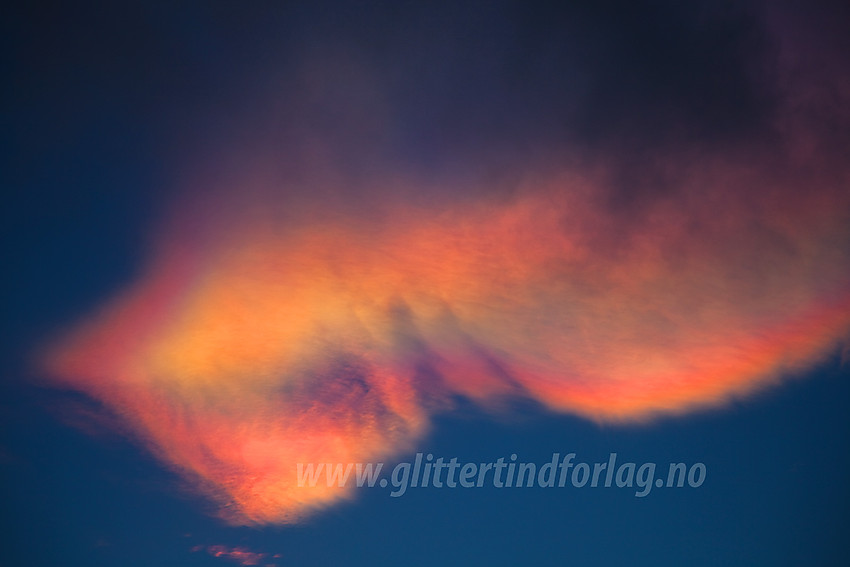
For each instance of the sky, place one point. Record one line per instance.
(245, 240)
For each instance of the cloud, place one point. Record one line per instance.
(240, 555)
(314, 301)
(333, 341)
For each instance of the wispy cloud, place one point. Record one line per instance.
(240, 555)
(280, 320)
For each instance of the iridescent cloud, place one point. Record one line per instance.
(333, 338)
(274, 325)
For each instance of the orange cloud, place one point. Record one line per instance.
(259, 343)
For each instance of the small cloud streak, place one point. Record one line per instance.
(240, 555)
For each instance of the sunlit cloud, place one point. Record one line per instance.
(239, 555)
(335, 340)
(275, 324)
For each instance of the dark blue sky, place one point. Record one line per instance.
(104, 107)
